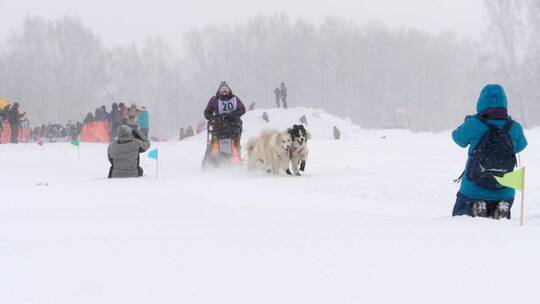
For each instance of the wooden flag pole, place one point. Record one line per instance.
(522, 217)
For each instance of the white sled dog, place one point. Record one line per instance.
(299, 149)
(270, 151)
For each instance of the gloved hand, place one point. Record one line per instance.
(137, 133)
(216, 120)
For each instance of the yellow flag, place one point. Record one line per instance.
(514, 179)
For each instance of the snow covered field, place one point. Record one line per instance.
(368, 223)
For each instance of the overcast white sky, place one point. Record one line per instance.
(125, 21)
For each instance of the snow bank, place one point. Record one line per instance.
(320, 123)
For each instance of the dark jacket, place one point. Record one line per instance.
(277, 92)
(14, 117)
(116, 118)
(89, 118)
(124, 154)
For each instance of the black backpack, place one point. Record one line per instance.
(494, 155)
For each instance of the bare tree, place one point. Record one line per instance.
(510, 34)
(365, 72)
(54, 67)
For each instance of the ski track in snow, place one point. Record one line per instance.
(369, 222)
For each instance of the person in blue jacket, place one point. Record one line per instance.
(144, 121)
(492, 107)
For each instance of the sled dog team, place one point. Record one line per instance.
(276, 152)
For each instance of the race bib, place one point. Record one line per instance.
(227, 106)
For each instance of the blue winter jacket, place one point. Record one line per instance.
(144, 120)
(470, 132)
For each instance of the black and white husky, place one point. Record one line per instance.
(299, 149)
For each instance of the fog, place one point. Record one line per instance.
(418, 66)
(126, 21)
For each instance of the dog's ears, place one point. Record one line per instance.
(294, 128)
(290, 130)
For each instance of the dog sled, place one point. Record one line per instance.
(223, 142)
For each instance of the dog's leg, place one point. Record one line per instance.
(277, 167)
(267, 167)
(294, 163)
(285, 164)
(303, 166)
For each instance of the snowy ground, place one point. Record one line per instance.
(368, 223)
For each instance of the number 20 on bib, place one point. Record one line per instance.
(227, 106)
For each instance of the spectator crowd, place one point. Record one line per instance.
(99, 126)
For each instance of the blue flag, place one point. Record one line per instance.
(153, 154)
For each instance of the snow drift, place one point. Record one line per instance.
(320, 123)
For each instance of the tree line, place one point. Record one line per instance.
(59, 69)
